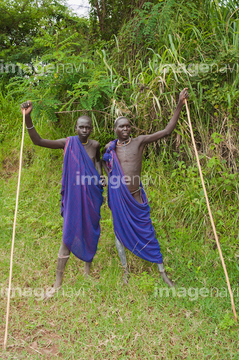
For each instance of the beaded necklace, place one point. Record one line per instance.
(125, 143)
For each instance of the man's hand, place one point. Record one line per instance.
(183, 96)
(27, 106)
(103, 181)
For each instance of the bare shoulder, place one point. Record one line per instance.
(94, 143)
(139, 139)
(143, 140)
(106, 146)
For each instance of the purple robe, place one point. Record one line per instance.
(131, 220)
(81, 199)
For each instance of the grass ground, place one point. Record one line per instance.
(100, 318)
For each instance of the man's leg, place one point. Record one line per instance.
(164, 275)
(122, 255)
(87, 269)
(63, 256)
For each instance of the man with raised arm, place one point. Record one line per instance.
(81, 192)
(126, 197)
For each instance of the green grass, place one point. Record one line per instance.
(100, 318)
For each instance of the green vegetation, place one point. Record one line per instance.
(137, 67)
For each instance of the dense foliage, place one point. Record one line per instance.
(61, 63)
(67, 68)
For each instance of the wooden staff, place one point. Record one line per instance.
(210, 214)
(13, 234)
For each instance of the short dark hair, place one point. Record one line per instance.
(84, 117)
(119, 118)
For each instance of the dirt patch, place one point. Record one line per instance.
(40, 343)
(10, 164)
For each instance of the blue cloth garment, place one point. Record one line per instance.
(131, 220)
(81, 199)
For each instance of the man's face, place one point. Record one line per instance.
(83, 128)
(123, 129)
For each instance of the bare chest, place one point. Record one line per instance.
(91, 151)
(130, 157)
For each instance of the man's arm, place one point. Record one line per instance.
(98, 164)
(105, 167)
(146, 139)
(104, 163)
(35, 137)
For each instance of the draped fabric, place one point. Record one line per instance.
(81, 199)
(131, 220)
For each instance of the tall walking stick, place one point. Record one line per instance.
(210, 213)
(13, 234)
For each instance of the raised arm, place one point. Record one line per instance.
(35, 137)
(146, 139)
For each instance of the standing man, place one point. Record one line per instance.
(126, 197)
(81, 192)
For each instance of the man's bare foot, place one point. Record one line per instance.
(166, 279)
(87, 269)
(50, 292)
